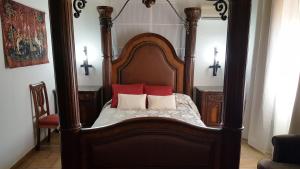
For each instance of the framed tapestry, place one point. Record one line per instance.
(24, 35)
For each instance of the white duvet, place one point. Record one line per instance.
(186, 111)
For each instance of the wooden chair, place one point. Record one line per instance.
(41, 106)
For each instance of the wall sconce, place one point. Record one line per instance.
(85, 64)
(216, 64)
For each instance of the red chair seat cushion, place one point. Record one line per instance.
(50, 120)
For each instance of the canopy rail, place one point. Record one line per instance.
(221, 6)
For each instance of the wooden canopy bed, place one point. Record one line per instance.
(149, 143)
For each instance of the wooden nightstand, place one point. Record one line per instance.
(209, 100)
(90, 103)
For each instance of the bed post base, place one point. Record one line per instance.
(192, 17)
(106, 24)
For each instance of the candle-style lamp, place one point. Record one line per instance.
(216, 64)
(85, 64)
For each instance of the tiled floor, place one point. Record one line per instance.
(49, 157)
(250, 156)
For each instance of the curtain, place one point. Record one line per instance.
(295, 123)
(275, 74)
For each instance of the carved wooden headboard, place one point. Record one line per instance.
(150, 59)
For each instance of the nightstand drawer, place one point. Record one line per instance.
(86, 96)
(215, 97)
(210, 105)
(212, 108)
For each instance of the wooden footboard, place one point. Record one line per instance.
(150, 143)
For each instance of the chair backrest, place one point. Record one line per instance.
(40, 99)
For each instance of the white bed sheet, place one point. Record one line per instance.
(186, 111)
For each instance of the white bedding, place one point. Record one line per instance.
(186, 111)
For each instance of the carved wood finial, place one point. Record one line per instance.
(192, 14)
(149, 3)
(105, 11)
(105, 16)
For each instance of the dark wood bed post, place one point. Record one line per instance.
(236, 58)
(61, 19)
(192, 17)
(106, 24)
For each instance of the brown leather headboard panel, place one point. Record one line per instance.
(151, 59)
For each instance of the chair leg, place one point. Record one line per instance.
(38, 135)
(49, 135)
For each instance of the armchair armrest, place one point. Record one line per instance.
(286, 149)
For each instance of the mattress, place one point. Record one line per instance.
(186, 111)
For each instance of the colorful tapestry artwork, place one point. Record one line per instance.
(24, 35)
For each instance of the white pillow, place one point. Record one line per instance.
(162, 102)
(131, 102)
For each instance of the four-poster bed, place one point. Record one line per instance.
(149, 142)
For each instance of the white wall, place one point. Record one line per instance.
(16, 117)
(135, 19)
(87, 33)
(210, 34)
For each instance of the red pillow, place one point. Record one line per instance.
(125, 89)
(158, 90)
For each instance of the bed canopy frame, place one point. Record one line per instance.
(149, 143)
(182, 75)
